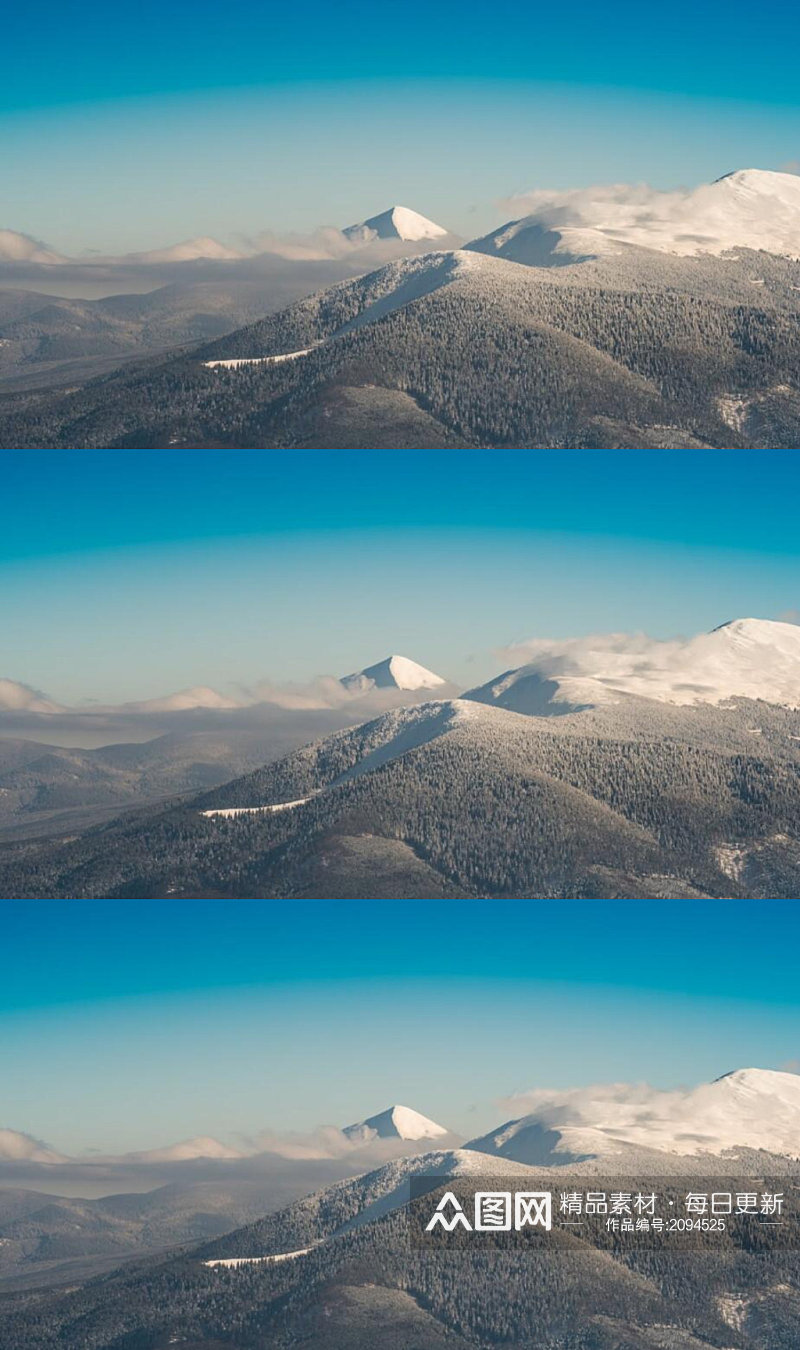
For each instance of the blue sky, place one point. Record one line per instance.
(132, 574)
(121, 135)
(129, 1025)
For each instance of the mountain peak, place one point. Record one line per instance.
(396, 1122)
(395, 672)
(743, 658)
(199, 696)
(746, 1108)
(399, 222)
(188, 1150)
(759, 180)
(757, 209)
(189, 250)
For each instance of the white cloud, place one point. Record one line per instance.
(755, 1108)
(747, 209)
(747, 658)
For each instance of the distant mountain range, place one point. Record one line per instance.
(746, 209)
(676, 326)
(398, 223)
(178, 743)
(398, 674)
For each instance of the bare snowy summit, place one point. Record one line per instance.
(746, 658)
(189, 250)
(199, 696)
(749, 1108)
(399, 222)
(188, 1150)
(749, 208)
(398, 1122)
(396, 672)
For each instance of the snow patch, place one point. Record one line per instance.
(231, 1262)
(238, 361)
(733, 411)
(254, 810)
(731, 860)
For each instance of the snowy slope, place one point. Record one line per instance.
(746, 658)
(396, 672)
(398, 1122)
(751, 208)
(399, 222)
(750, 1108)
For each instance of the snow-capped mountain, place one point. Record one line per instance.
(749, 1108)
(398, 1122)
(189, 250)
(750, 208)
(399, 222)
(199, 696)
(188, 1150)
(396, 672)
(16, 247)
(746, 658)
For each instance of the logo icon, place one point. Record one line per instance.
(494, 1211)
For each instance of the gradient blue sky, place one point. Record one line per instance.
(129, 1025)
(119, 133)
(131, 574)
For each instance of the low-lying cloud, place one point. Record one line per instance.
(753, 209)
(748, 658)
(749, 1108)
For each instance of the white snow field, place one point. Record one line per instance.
(746, 658)
(399, 222)
(398, 1122)
(750, 1108)
(234, 1261)
(257, 360)
(751, 208)
(255, 810)
(396, 672)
